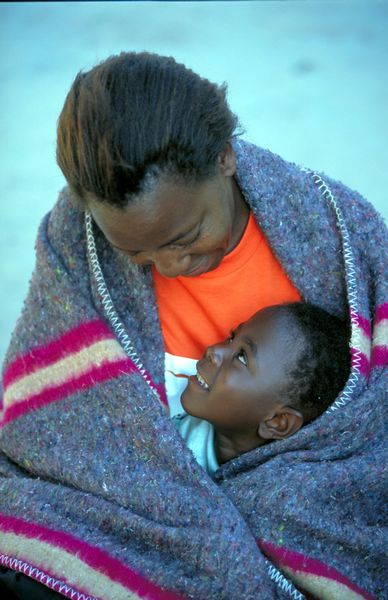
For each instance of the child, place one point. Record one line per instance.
(275, 373)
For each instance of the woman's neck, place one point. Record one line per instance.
(241, 215)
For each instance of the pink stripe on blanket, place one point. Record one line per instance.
(42, 356)
(361, 361)
(381, 312)
(91, 555)
(363, 323)
(379, 356)
(52, 394)
(282, 557)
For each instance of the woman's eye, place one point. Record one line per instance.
(186, 244)
(242, 357)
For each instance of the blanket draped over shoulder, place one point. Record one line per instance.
(100, 498)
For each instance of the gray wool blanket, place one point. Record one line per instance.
(100, 498)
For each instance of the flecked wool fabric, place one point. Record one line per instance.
(100, 498)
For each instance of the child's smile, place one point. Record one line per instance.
(202, 382)
(238, 380)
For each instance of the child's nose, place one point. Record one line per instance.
(215, 354)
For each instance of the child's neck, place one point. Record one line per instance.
(228, 446)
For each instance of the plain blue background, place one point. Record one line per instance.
(309, 80)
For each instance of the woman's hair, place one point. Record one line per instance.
(136, 117)
(323, 364)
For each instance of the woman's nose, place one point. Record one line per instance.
(169, 263)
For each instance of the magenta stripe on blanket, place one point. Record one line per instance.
(72, 341)
(381, 312)
(283, 557)
(90, 555)
(379, 356)
(364, 325)
(161, 389)
(52, 394)
(361, 361)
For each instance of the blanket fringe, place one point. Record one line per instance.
(107, 302)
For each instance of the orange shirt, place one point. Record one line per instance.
(196, 312)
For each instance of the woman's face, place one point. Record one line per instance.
(182, 230)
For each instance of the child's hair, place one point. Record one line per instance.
(136, 117)
(323, 365)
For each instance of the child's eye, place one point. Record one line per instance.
(242, 357)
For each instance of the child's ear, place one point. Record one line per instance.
(227, 161)
(284, 422)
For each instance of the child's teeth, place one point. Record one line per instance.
(202, 382)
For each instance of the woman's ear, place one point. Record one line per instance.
(284, 422)
(227, 161)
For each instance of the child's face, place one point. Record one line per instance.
(239, 381)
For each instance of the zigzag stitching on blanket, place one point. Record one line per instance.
(364, 362)
(351, 280)
(298, 562)
(50, 582)
(357, 325)
(276, 576)
(100, 561)
(110, 310)
(365, 325)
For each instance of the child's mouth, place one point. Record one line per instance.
(202, 381)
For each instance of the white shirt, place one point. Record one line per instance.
(199, 437)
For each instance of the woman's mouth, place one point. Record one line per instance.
(200, 268)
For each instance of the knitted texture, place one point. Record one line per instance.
(100, 498)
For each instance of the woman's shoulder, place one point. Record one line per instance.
(267, 176)
(66, 219)
(61, 237)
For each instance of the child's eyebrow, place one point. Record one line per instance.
(251, 343)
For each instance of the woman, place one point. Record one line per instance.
(172, 231)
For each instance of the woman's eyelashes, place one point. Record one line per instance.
(186, 244)
(174, 245)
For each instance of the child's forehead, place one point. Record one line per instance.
(269, 316)
(269, 321)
